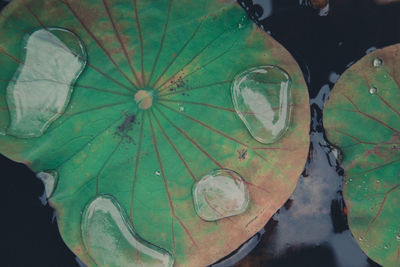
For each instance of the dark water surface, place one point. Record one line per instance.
(311, 229)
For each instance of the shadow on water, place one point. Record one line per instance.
(311, 229)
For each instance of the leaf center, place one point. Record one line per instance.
(144, 99)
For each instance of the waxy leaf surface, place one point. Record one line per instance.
(362, 117)
(150, 115)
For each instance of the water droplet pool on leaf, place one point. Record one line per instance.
(111, 241)
(222, 193)
(42, 86)
(261, 98)
(373, 90)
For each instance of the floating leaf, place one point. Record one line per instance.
(362, 117)
(150, 115)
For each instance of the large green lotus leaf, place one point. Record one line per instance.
(150, 115)
(362, 117)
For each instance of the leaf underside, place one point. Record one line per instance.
(187, 52)
(362, 117)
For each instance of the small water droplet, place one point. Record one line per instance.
(181, 109)
(240, 25)
(386, 246)
(158, 173)
(261, 97)
(377, 62)
(373, 90)
(361, 238)
(398, 237)
(111, 241)
(220, 194)
(41, 88)
(49, 179)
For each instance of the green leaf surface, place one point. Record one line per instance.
(150, 115)
(362, 117)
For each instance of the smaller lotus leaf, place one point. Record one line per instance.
(362, 117)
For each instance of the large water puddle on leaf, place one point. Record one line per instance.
(220, 194)
(261, 97)
(111, 241)
(42, 85)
